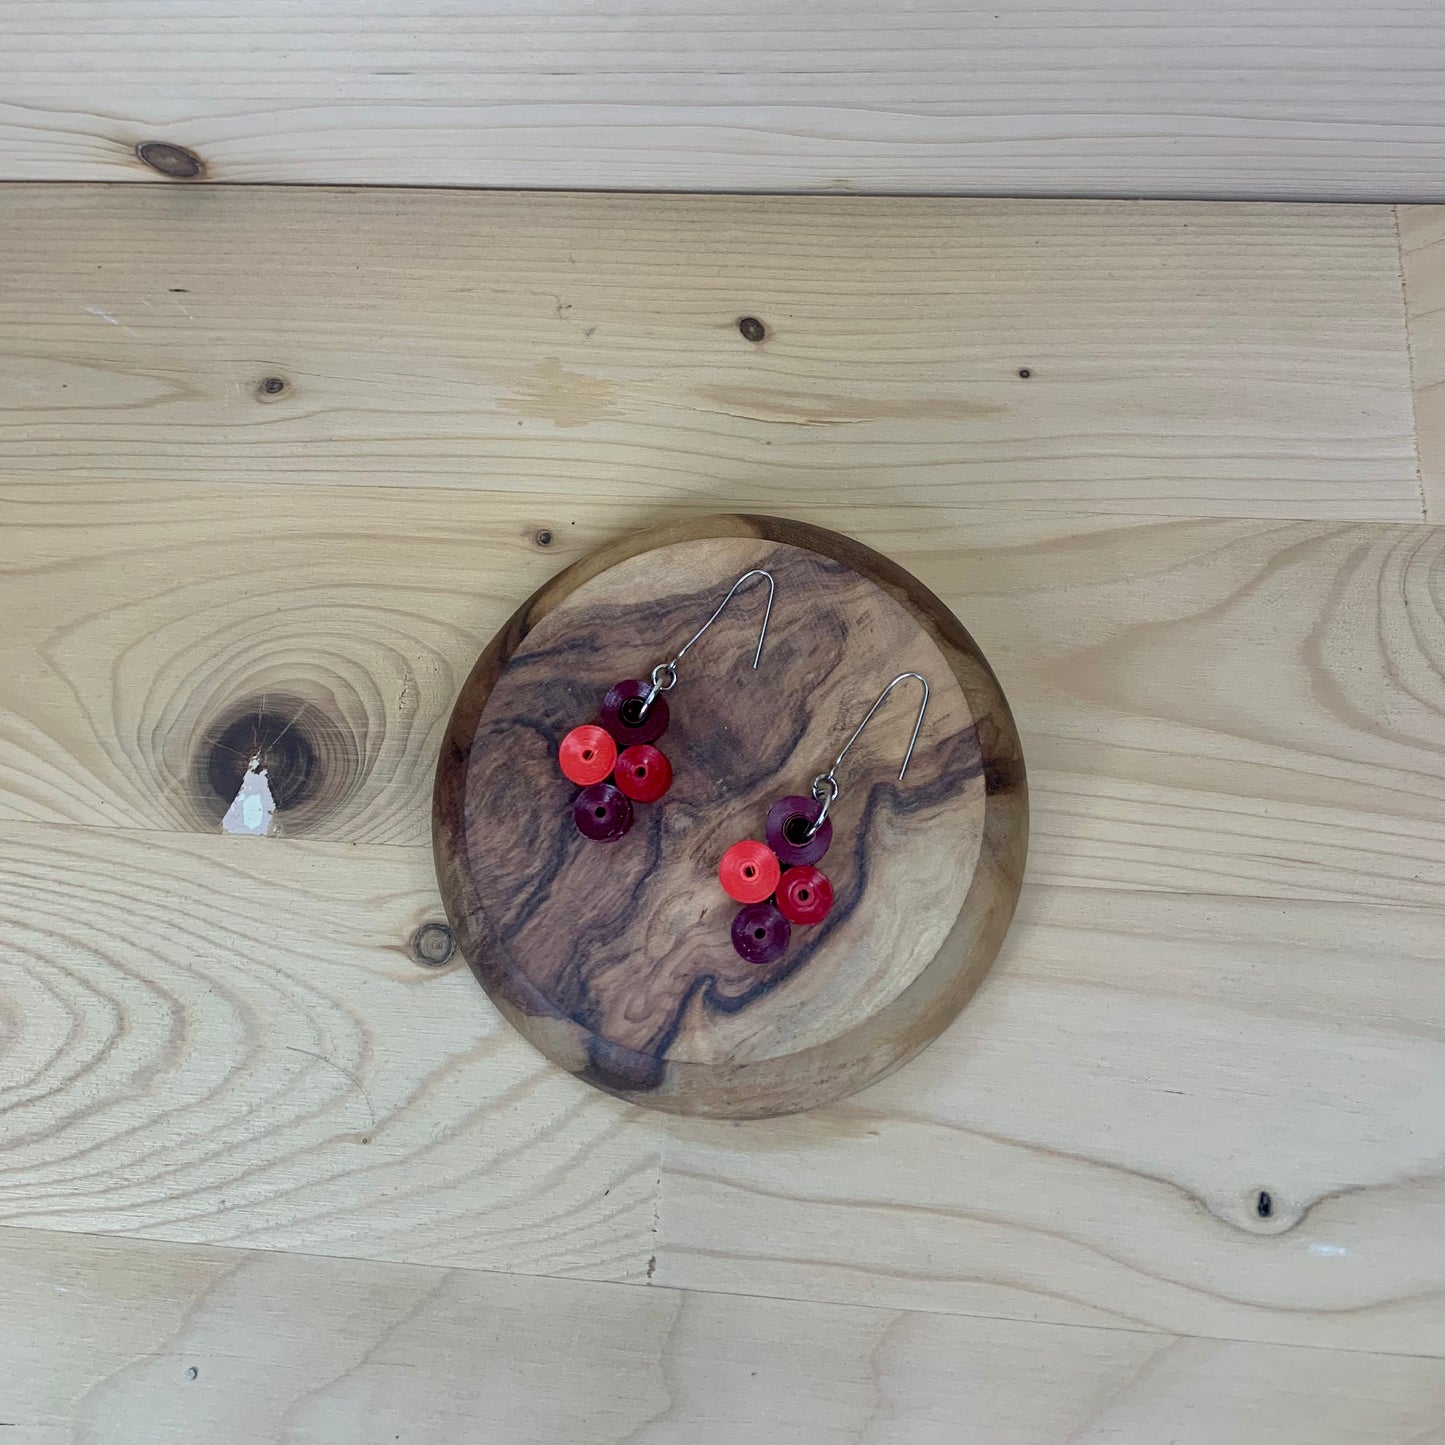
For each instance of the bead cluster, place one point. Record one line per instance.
(611, 779)
(776, 881)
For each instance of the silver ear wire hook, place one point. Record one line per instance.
(825, 785)
(664, 675)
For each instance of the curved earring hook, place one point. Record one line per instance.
(825, 785)
(664, 675)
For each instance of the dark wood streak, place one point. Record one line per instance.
(616, 958)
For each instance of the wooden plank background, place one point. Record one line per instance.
(1173, 1175)
(1308, 99)
(1422, 247)
(1185, 360)
(169, 1346)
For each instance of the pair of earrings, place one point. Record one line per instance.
(615, 764)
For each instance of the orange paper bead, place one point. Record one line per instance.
(587, 755)
(749, 871)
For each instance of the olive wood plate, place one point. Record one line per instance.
(615, 959)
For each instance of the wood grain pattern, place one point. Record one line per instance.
(1233, 725)
(1182, 360)
(230, 1040)
(1224, 707)
(1313, 98)
(1090, 1141)
(1086, 1145)
(616, 960)
(1243, 707)
(1422, 259)
(142, 1343)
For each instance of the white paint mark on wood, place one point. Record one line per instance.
(107, 317)
(253, 808)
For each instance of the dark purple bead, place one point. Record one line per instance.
(788, 822)
(760, 933)
(621, 706)
(602, 813)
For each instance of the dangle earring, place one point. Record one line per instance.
(777, 882)
(613, 760)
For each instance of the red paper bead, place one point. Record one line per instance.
(643, 773)
(749, 871)
(587, 755)
(804, 896)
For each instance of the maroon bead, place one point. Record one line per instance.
(601, 813)
(787, 832)
(621, 706)
(760, 933)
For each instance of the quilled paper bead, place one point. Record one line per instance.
(787, 831)
(749, 871)
(761, 933)
(643, 773)
(805, 896)
(622, 713)
(602, 813)
(587, 754)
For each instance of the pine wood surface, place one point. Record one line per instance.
(1196, 697)
(143, 1342)
(1310, 99)
(1422, 258)
(1176, 1167)
(1186, 360)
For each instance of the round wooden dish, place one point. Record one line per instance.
(615, 959)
